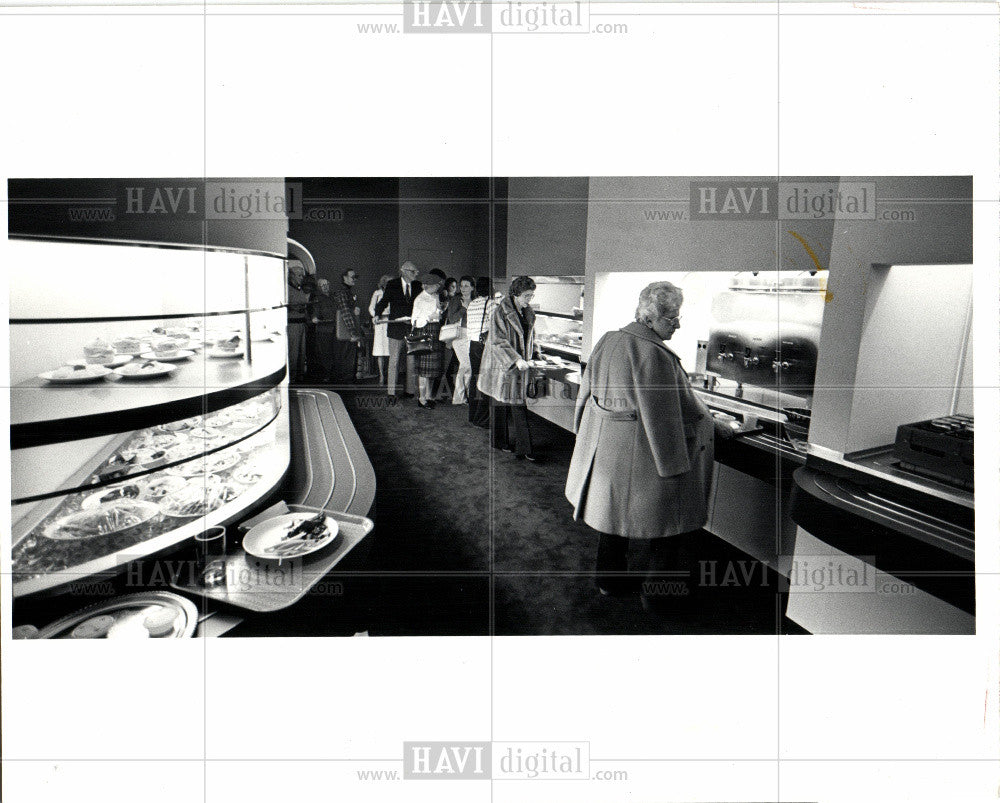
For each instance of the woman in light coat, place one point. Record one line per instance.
(503, 373)
(642, 464)
(380, 344)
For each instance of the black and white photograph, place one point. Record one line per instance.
(538, 406)
(573, 399)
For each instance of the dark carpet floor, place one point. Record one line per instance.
(470, 540)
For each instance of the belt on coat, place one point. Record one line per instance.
(614, 415)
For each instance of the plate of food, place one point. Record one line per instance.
(112, 493)
(168, 355)
(183, 451)
(158, 487)
(198, 499)
(292, 535)
(110, 518)
(144, 370)
(223, 462)
(149, 614)
(75, 374)
(220, 354)
(248, 474)
(204, 433)
(113, 362)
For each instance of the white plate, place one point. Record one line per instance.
(89, 374)
(225, 355)
(180, 355)
(266, 535)
(157, 369)
(115, 362)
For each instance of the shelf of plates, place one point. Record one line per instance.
(148, 400)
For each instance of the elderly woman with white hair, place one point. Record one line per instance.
(642, 464)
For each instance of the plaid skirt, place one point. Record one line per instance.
(430, 365)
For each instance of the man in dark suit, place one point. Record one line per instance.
(398, 299)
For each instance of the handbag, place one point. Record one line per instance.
(419, 343)
(450, 331)
(537, 386)
(343, 327)
(483, 335)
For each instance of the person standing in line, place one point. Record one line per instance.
(324, 318)
(504, 372)
(477, 318)
(380, 343)
(348, 331)
(398, 301)
(298, 302)
(427, 311)
(458, 313)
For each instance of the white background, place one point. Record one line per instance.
(864, 89)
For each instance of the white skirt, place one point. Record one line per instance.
(380, 345)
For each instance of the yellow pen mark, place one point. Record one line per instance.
(828, 296)
(812, 254)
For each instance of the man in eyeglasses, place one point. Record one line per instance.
(397, 302)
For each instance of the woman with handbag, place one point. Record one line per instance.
(458, 314)
(426, 319)
(477, 318)
(505, 371)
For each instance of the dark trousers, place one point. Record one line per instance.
(345, 360)
(296, 351)
(479, 404)
(612, 571)
(326, 354)
(314, 371)
(510, 428)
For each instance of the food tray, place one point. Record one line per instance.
(130, 610)
(264, 586)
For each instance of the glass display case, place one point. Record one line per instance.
(558, 305)
(148, 401)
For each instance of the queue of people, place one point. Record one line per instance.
(475, 348)
(639, 426)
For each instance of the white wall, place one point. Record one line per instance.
(916, 328)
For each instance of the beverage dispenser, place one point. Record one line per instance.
(765, 332)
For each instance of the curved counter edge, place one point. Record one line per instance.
(932, 560)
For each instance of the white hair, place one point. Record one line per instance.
(658, 300)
